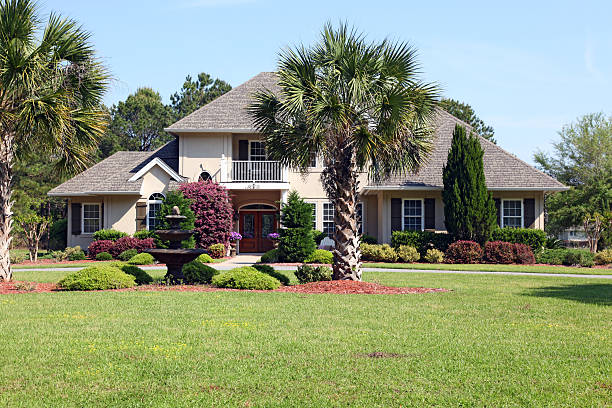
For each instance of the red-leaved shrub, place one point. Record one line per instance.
(213, 210)
(499, 252)
(217, 251)
(468, 252)
(523, 254)
(125, 243)
(103, 245)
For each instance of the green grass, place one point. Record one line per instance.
(55, 276)
(492, 341)
(73, 265)
(492, 268)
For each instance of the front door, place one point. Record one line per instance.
(254, 228)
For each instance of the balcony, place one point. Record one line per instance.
(253, 174)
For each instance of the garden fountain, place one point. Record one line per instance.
(174, 256)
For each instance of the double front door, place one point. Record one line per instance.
(254, 228)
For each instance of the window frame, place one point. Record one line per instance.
(522, 216)
(149, 202)
(314, 213)
(363, 217)
(200, 178)
(83, 218)
(264, 147)
(422, 200)
(333, 221)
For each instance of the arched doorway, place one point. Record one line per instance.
(256, 221)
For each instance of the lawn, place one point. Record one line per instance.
(493, 340)
(492, 268)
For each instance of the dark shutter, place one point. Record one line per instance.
(101, 215)
(396, 214)
(430, 213)
(498, 208)
(529, 216)
(141, 216)
(75, 208)
(243, 150)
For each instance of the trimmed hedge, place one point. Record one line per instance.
(108, 235)
(127, 255)
(125, 243)
(434, 256)
(268, 270)
(204, 258)
(98, 277)
(100, 246)
(104, 256)
(407, 253)
(566, 257)
(464, 252)
(421, 240)
(535, 238)
(140, 276)
(308, 273)
(142, 259)
(217, 251)
(269, 257)
(245, 277)
(378, 253)
(523, 254)
(197, 273)
(499, 252)
(320, 256)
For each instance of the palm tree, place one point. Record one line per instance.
(361, 107)
(51, 89)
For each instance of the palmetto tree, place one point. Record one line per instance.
(51, 88)
(358, 105)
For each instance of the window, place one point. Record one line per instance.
(153, 208)
(512, 213)
(413, 215)
(360, 219)
(313, 161)
(257, 151)
(204, 176)
(314, 215)
(328, 219)
(91, 218)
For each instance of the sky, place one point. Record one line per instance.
(526, 67)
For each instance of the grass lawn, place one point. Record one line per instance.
(493, 340)
(19, 267)
(492, 268)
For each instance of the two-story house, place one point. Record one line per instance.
(218, 142)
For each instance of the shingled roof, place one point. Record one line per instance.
(112, 175)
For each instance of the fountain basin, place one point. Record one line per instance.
(174, 235)
(175, 259)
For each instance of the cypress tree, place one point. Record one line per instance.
(296, 241)
(469, 209)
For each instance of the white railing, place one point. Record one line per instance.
(257, 171)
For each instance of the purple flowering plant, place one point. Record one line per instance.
(274, 236)
(235, 236)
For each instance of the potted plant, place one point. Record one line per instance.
(274, 237)
(234, 237)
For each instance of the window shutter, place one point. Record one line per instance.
(529, 216)
(243, 150)
(141, 216)
(430, 213)
(396, 214)
(101, 215)
(498, 208)
(76, 218)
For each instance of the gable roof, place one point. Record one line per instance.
(112, 175)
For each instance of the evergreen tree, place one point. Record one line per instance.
(296, 241)
(176, 198)
(469, 209)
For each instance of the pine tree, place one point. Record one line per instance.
(469, 209)
(296, 241)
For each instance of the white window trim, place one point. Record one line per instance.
(316, 163)
(323, 216)
(363, 216)
(83, 217)
(522, 211)
(315, 213)
(422, 212)
(149, 202)
(257, 141)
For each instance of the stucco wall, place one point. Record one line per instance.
(200, 152)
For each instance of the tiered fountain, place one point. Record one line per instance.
(175, 257)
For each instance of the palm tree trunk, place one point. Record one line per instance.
(6, 219)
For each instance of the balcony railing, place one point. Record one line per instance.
(246, 171)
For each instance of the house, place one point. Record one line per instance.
(574, 237)
(218, 142)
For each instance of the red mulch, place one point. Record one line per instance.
(26, 287)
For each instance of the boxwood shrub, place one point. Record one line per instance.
(309, 273)
(535, 238)
(197, 273)
(204, 258)
(97, 277)
(108, 234)
(140, 276)
(463, 252)
(320, 256)
(142, 258)
(269, 257)
(268, 270)
(127, 255)
(104, 256)
(421, 240)
(245, 277)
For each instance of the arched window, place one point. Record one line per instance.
(205, 176)
(153, 208)
(258, 207)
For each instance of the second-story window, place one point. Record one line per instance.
(257, 151)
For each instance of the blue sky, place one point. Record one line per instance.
(527, 68)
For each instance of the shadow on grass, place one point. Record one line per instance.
(594, 293)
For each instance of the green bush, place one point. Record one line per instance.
(74, 253)
(308, 273)
(127, 255)
(535, 238)
(58, 232)
(140, 276)
(142, 259)
(108, 234)
(204, 258)
(421, 240)
(104, 256)
(176, 198)
(217, 251)
(566, 257)
(407, 253)
(378, 253)
(320, 256)
(269, 257)
(368, 239)
(318, 236)
(16, 258)
(144, 234)
(197, 273)
(296, 240)
(245, 277)
(604, 257)
(268, 270)
(98, 277)
(434, 256)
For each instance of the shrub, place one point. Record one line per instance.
(499, 252)
(245, 277)
(197, 273)
(565, 257)
(320, 256)
(140, 276)
(421, 240)
(296, 242)
(58, 234)
(74, 253)
(142, 259)
(103, 256)
(553, 243)
(368, 239)
(318, 236)
(212, 207)
(535, 238)
(125, 243)
(144, 234)
(268, 270)
(269, 257)
(407, 253)
(204, 258)
(127, 255)
(551, 256)
(434, 256)
(108, 235)
(98, 277)
(16, 258)
(308, 273)
(604, 257)
(100, 246)
(378, 253)
(217, 251)
(523, 254)
(176, 198)
(468, 252)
